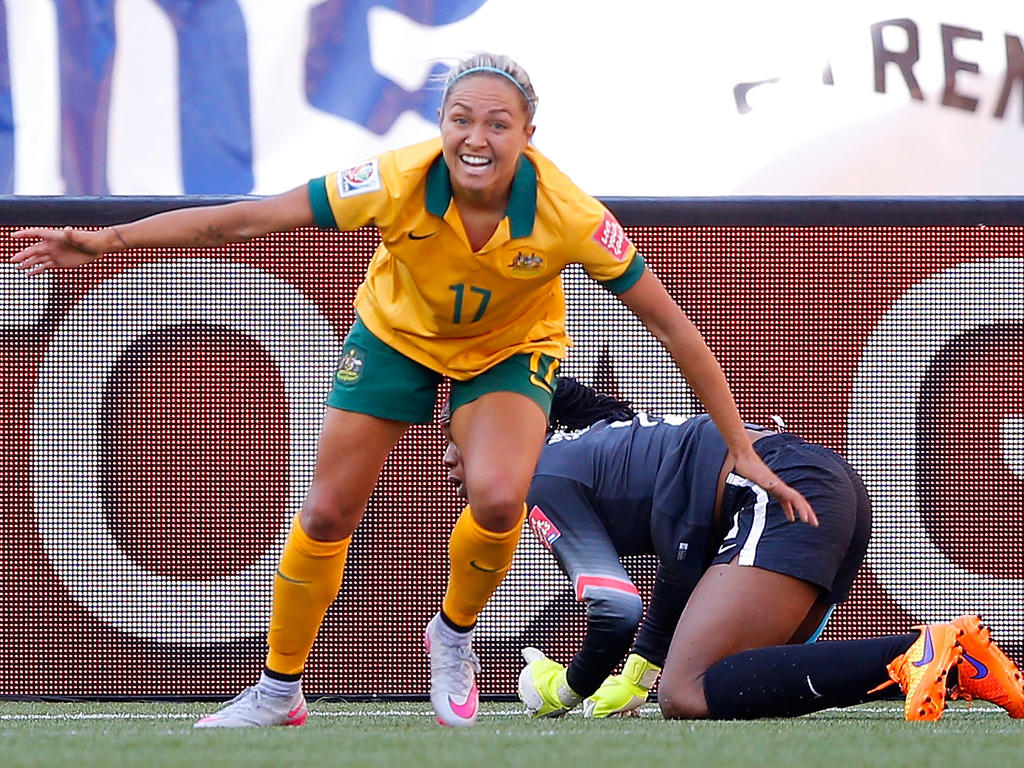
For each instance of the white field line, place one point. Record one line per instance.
(356, 712)
(193, 715)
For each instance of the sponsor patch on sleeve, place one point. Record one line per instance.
(359, 179)
(542, 527)
(612, 237)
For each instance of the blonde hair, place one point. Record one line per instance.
(497, 65)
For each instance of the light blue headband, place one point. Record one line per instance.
(496, 71)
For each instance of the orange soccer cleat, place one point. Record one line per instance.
(985, 672)
(921, 672)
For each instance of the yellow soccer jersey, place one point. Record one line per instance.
(457, 311)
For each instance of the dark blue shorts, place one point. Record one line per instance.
(829, 555)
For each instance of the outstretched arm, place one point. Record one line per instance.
(649, 301)
(200, 227)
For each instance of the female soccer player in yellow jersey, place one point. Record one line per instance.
(475, 229)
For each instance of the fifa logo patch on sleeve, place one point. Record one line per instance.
(543, 528)
(612, 237)
(359, 179)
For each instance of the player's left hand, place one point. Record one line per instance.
(793, 503)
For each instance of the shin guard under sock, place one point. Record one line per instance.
(306, 583)
(479, 560)
(791, 680)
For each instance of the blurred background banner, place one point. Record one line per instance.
(160, 413)
(637, 97)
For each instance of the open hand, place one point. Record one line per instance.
(56, 249)
(794, 505)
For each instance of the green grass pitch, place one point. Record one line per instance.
(405, 735)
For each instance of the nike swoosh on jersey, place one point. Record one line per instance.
(414, 236)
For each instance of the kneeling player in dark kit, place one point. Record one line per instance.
(741, 592)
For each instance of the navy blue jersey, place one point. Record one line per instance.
(653, 480)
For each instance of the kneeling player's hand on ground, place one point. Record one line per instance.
(623, 695)
(543, 687)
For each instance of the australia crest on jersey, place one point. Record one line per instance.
(526, 263)
(359, 179)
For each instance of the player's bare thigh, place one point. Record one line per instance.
(500, 436)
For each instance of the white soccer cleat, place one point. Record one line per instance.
(453, 670)
(255, 709)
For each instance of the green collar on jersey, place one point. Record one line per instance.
(522, 201)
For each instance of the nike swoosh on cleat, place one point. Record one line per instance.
(481, 568)
(414, 236)
(980, 669)
(929, 650)
(468, 709)
(293, 581)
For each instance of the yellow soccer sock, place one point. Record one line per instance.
(306, 583)
(479, 560)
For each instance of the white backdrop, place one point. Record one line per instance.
(637, 97)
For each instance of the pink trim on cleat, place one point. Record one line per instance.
(466, 710)
(453, 670)
(298, 715)
(254, 709)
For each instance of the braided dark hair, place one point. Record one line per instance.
(576, 406)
